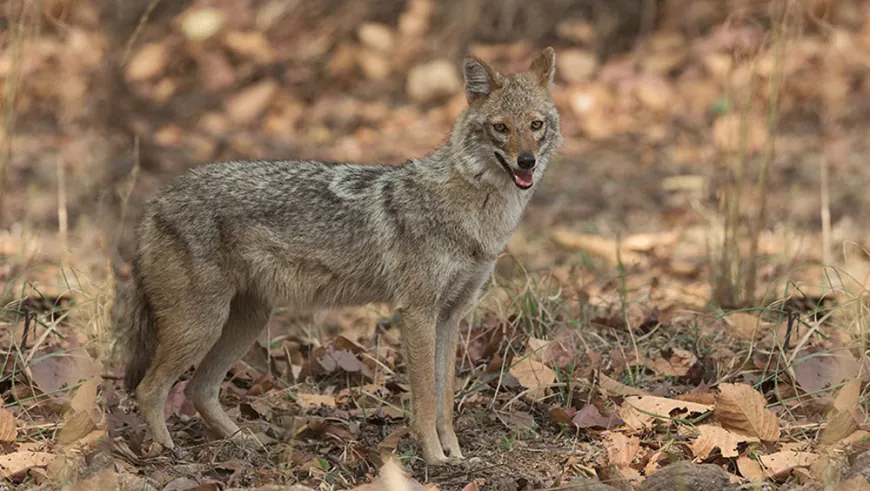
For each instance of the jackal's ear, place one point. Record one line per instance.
(544, 67)
(480, 79)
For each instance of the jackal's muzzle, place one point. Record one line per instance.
(524, 176)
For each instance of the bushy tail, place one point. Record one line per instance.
(135, 331)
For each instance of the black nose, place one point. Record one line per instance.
(526, 161)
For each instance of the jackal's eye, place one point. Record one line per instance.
(500, 127)
(537, 124)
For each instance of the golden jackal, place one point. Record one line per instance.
(222, 245)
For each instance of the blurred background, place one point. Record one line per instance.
(741, 122)
(715, 158)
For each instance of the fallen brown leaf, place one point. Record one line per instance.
(645, 242)
(16, 463)
(831, 461)
(534, 376)
(536, 347)
(391, 478)
(557, 352)
(652, 464)
(8, 430)
(518, 419)
(747, 326)
(678, 365)
(844, 417)
(331, 359)
(85, 396)
(711, 436)
(562, 414)
(639, 412)
(256, 409)
(750, 469)
(597, 245)
(391, 442)
(177, 402)
(617, 388)
(621, 449)
(76, 426)
(590, 417)
(815, 372)
(314, 400)
(741, 408)
(699, 397)
(55, 371)
(780, 464)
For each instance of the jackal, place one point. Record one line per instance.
(223, 244)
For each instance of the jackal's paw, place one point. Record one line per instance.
(452, 450)
(449, 442)
(157, 449)
(445, 461)
(455, 454)
(454, 461)
(436, 459)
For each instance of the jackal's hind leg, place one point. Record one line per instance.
(247, 318)
(185, 331)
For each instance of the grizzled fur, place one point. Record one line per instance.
(221, 246)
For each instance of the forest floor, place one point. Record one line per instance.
(689, 283)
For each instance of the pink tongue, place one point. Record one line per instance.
(523, 178)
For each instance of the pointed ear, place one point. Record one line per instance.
(544, 67)
(480, 79)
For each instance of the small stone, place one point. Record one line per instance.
(860, 467)
(581, 484)
(686, 475)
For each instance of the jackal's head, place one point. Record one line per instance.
(511, 121)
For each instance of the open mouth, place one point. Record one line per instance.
(522, 178)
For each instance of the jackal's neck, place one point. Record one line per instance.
(461, 180)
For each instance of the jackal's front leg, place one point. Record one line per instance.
(418, 333)
(447, 337)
